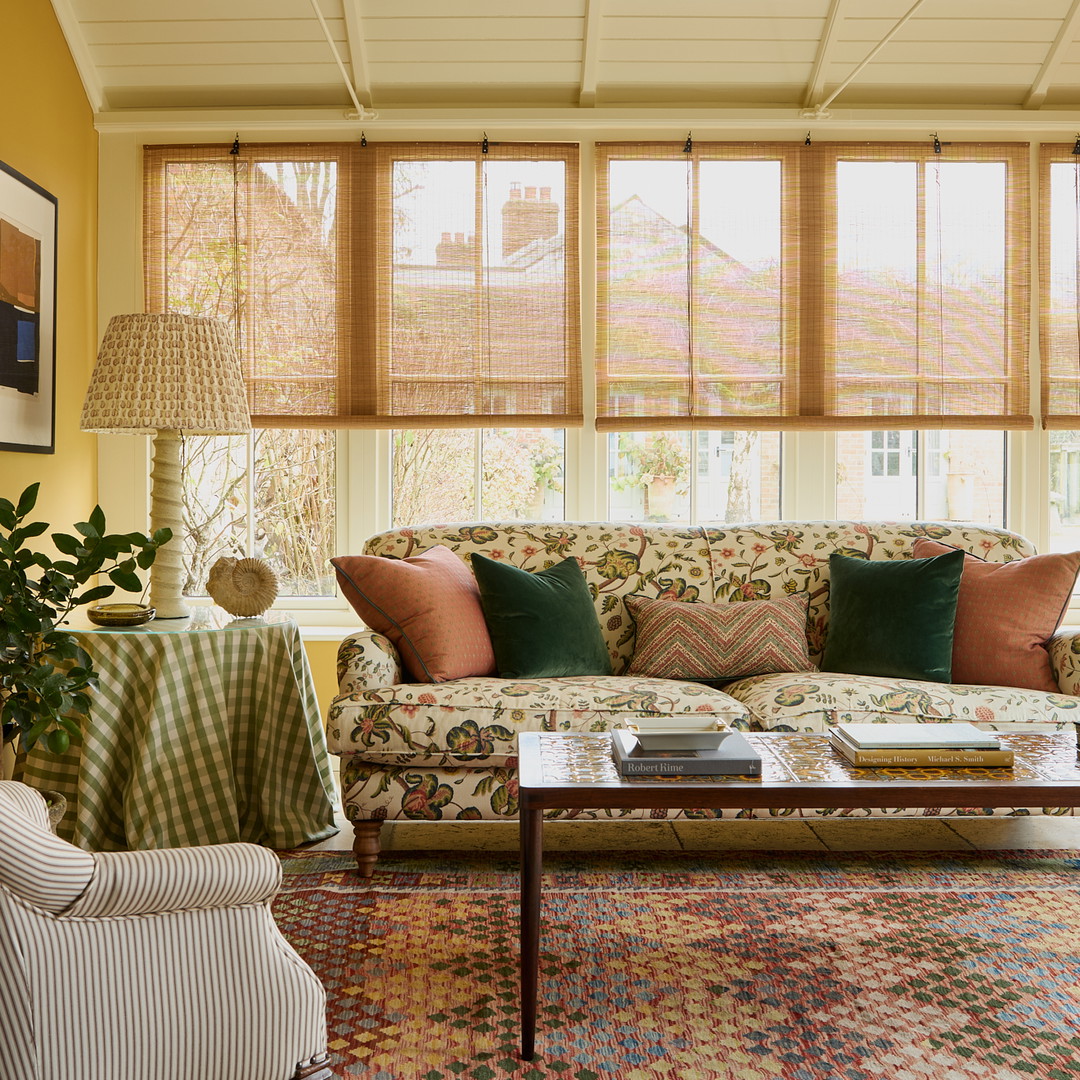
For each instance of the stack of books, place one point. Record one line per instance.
(637, 754)
(920, 745)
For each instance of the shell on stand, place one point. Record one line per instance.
(243, 587)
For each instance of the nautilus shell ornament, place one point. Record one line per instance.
(243, 587)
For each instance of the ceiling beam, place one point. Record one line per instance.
(590, 45)
(80, 53)
(552, 124)
(354, 35)
(1065, 37)
(815, 87)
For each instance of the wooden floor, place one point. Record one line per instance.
(897, 834)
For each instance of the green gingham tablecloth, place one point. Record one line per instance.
(199, 735)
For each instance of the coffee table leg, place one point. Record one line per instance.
(530, 827)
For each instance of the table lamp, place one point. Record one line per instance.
(167, 375)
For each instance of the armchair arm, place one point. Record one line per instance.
(178, 879)
(1064, 649)
(367, 659)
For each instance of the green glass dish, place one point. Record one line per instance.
(119, 614)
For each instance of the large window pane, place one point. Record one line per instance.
(729, 476)
(691, 306)
(932, 475)
(459, 474)
(480, 318)
(921, 286)
(294, 522)
(215, 485)
(1060, 290)
(1064, 490)
(270, 495)
(737, 476)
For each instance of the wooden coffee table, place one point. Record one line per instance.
(575, 772)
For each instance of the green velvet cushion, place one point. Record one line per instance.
(542, 624)
(893, 618)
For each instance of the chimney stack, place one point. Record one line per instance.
(528, 219)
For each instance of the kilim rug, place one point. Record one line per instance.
(733, 966)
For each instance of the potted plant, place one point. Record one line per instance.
(44, 674)
(661, 464)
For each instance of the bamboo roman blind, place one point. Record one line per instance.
(387, 285)
(782, 286)
(1059, 278)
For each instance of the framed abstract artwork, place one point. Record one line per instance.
(27, 315)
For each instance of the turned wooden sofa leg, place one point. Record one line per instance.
(366, 845)
(316, 1068)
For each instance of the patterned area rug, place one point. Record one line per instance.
(733, 966)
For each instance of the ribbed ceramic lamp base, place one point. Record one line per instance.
(167, 512)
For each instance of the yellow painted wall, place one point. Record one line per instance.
(322, 656)
(47, 134)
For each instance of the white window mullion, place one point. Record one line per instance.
(249, 495)
(808, 475)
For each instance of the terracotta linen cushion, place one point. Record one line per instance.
(692, 640)
(428, 605)
(1005, 614)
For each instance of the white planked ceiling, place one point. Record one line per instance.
(155, 54)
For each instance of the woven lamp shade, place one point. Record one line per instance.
(167, 372)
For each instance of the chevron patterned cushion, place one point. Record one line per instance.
(681, 640)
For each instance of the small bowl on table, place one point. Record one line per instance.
(120, 614)
(654, 736)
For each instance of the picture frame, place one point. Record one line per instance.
(28, 219)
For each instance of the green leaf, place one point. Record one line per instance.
(87, 530)
(65, 544)
(35, 732)
(110, 547)
(145, 558)
(35, 528)
(126, 580)
(162, 536)
(66, 721)
(98, 593)
(137, 539)
(97, 520)
(27, 500)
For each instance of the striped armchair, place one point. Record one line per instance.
(148, 965)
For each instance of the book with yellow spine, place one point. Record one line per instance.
(921, 756)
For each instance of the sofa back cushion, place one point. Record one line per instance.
(1006, 614)
(764, 560)
(715, 642)
(543, 622)
(428, 605)
(666, 562)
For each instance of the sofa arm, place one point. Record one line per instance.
(366, 659)
(178, 879)
(1064, 649)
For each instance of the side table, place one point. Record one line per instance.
(202, 731)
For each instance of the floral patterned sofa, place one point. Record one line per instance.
(446, 751)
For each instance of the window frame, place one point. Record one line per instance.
(363, 463)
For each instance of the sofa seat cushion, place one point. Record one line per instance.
(815, 701)
(477, 719)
